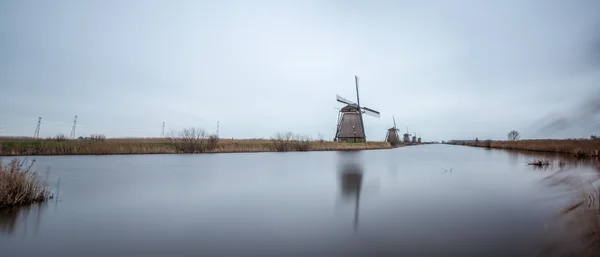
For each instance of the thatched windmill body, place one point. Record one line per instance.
(392, 134)
(406, 138)
(350, 126)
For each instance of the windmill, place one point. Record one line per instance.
(419, 139)
(350, 127)
(392, 134)
(406, 137)
(414, 138)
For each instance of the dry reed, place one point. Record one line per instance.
(577, 147)
(19, 186)
(539, 162)
(110, 146)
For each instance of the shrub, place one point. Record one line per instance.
(301, 143)
(213, 142)
(97, 137)
(193, 140)
(487, 143)
(282, 142)
(60, 138)
(18, 185)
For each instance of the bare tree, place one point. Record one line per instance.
(513, 135)
(193, 140)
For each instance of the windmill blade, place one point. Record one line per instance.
(394, 121)
(357, 97)
(370, 112)
(344, 100)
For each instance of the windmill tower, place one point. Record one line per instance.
(406, 138)
(350, 127)
(392, 134)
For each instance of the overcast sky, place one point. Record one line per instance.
(446, 69)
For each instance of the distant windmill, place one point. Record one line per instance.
(350, 127)
(414, 138)
(406, 137)
(419, 139)
(392, 134)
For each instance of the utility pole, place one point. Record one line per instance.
(162, 134)
(36, 134)
(73, 129)
(217, 129)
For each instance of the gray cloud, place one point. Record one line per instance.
(459, 69)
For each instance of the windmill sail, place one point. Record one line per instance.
(345, 101)
(370, 112)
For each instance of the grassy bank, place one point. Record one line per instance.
(575, 147)
(30, 146)
(19, 186)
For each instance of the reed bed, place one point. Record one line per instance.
(577, 147)
(20, 186)
(27, 147)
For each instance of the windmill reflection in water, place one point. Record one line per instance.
(350, 175)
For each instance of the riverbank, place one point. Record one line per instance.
(576, 147)
(110, 146)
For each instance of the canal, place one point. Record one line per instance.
(430, 200)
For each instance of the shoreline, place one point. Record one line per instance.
(581, 148)
(138, 146)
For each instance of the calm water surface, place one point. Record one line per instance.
(399, 202)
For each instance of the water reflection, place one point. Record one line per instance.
(557, 161)
(20, 217)
(350, 177)
(513, 158)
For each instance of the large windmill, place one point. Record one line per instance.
(406, 137)
(392, 134)
(350, 127)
